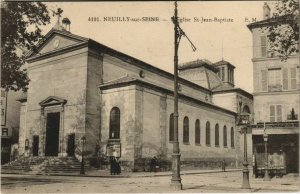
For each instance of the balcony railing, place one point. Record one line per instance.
(275, 88)
(276, 125)
(292, 117)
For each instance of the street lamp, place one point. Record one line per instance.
(178, 33)
(244, 121)
(176, 180)
(267, 176)
(83, 140)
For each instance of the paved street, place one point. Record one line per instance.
(192, 183)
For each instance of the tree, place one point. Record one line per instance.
(284, 28)
(20, 31)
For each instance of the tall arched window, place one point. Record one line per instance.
(225, 136)
(246, 109)
(217, 135)
(171, 128)
(207, 133)
(232, 137)
(197, 132)
(186, 130)
(114, 123)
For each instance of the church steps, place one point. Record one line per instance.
(43, 165)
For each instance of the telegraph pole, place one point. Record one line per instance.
(176, 180)
(178, 33)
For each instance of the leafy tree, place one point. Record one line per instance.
(284, 29)
(20, 31)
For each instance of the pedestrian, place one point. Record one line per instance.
(118, 167)
(14, 152)
(223, 165)
(153, 164)
(113, 165)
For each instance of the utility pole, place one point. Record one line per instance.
(176, 180)
(178, 33)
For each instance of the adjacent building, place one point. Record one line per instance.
(10, 120)
(276, 100)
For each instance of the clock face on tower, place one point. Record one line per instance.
(55, 43)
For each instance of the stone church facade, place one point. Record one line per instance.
(123, 106)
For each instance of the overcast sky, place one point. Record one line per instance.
(153, 42)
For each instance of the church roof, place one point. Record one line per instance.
(197, 63)
(86, 42)
(120, 80)
(223, 62)
(203, 72)
(53, 31)
(128, 80)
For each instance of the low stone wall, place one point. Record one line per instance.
(143, 164)
(206, 163)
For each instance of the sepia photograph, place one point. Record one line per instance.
(150, 97)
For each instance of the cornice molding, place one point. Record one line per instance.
(164, 90)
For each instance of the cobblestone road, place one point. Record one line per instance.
(194, 183)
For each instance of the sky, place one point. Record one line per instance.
(153, 41)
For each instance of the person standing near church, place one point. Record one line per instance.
(153, 164)
(223, 165)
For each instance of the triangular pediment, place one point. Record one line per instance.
(56, 40)
(52, 100)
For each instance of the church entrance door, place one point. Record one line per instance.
(52, 134)
(35, 145)
(71, 145)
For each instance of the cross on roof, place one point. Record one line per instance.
(58, 14)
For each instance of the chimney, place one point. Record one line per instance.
(66, 24)
(266, 11)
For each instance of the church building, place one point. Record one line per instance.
(124, 106)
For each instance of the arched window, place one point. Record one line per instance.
(197, 132)
(171, 128)
(114, 123)
(246, 109)
(207, 133)
(232, 137)
(217, 135)
(225, 136)
(186, 130)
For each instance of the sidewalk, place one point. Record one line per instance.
(126, 174)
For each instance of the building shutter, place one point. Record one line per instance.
(285, 78)
(279, 113)
(293, 78)
(272, 113)
(263, 44)
(264, 80)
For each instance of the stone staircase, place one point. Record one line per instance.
(43, 165)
